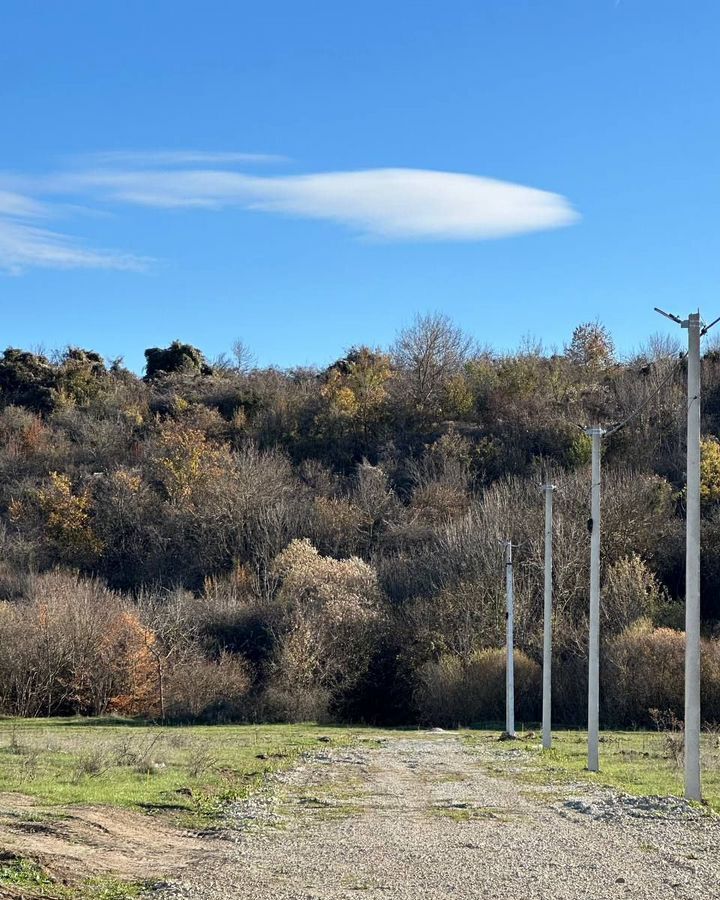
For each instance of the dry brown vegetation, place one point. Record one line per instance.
(217, 541)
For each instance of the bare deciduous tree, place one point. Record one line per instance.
(429, 353)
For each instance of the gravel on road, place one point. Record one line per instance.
(419, 817)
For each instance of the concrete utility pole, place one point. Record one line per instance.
(692, 566)
(596, 434)
(547, 622)
(695, 331)
(509, 640)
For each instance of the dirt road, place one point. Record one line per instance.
(420, 818)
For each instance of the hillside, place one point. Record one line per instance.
(215, 539)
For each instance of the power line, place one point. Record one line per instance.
(670, 375)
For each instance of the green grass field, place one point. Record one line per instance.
(636, 762)
(192, 770)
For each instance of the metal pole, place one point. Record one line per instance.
(594, 642)
(692, 566)
(547, 623)
(510, 663)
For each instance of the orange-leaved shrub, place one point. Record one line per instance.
(74, 647)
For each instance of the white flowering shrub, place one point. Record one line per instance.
(331, 613)
(344, 590)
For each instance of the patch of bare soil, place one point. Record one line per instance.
(82, 842)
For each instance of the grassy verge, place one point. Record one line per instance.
(25, 878)
(188, 771)
(641, 763)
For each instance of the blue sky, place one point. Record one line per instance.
(221, 170)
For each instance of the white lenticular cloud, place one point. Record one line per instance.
(396, 204)
(415, 204)
(385, 204)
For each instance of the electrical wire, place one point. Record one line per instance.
(670, 375)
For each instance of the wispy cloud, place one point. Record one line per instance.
(153, 158)
(14, 204)
(386, 204)
(24, 244)
(205, 188)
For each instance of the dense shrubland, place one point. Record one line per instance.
(219, 541)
